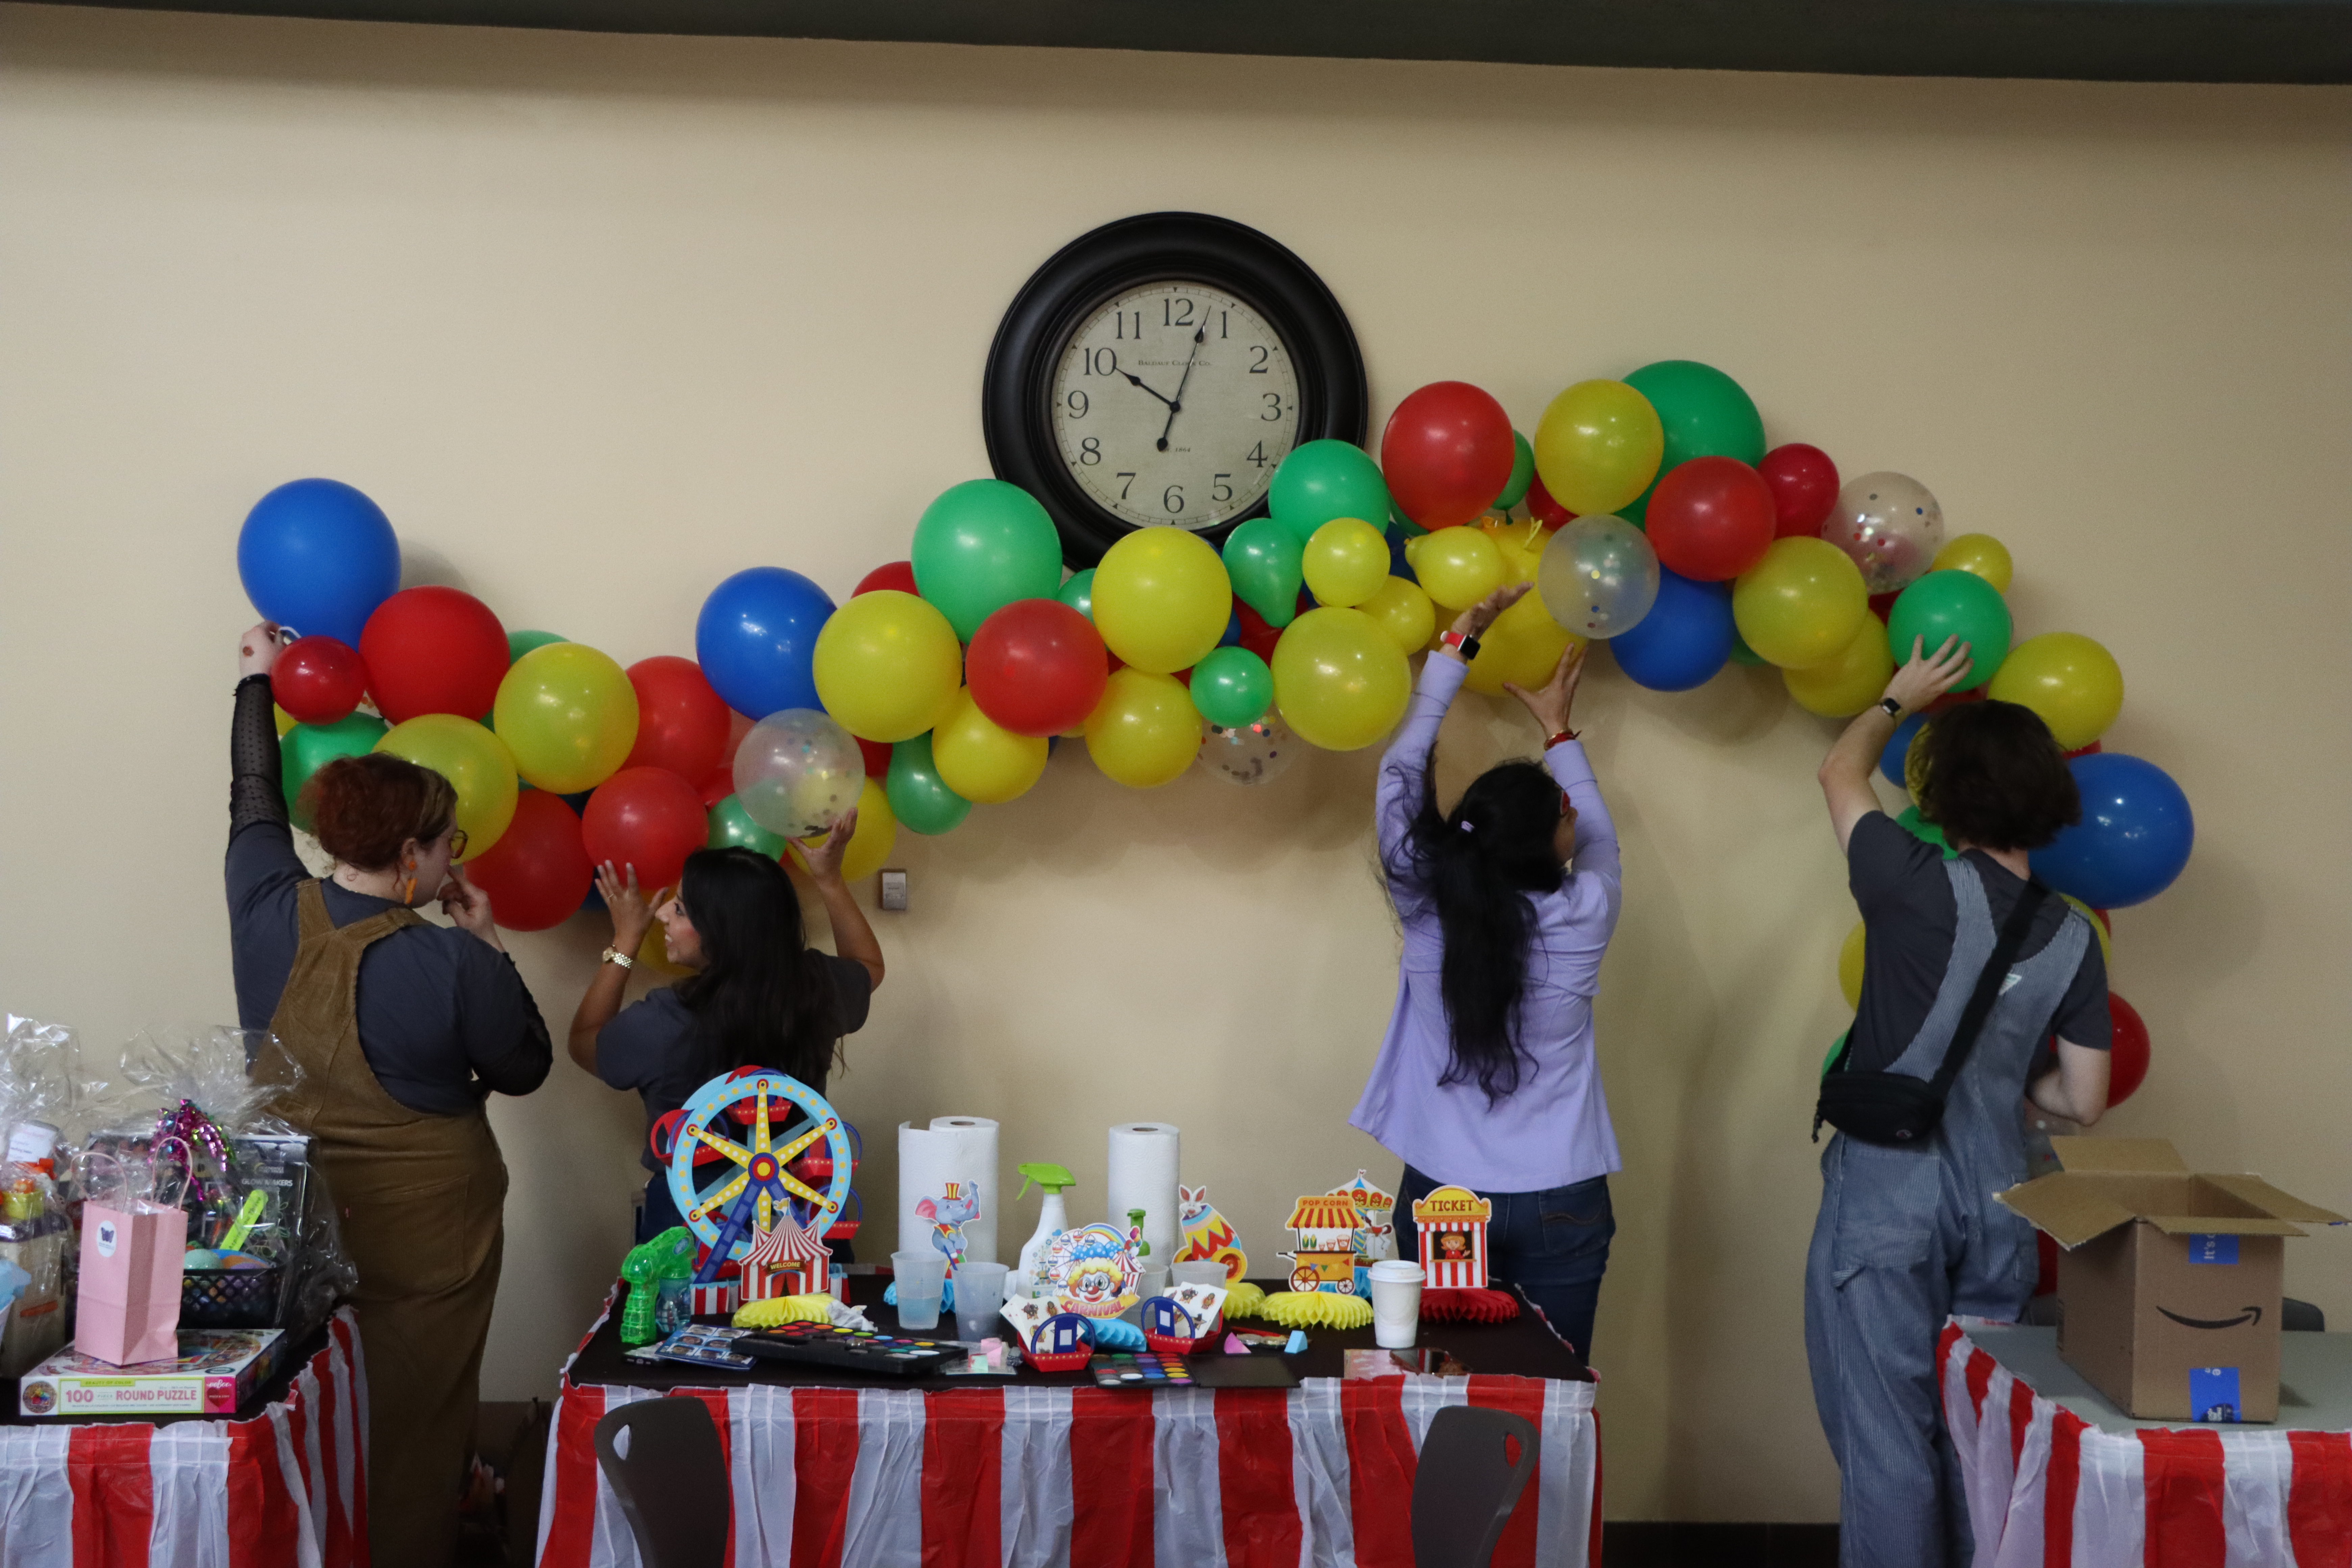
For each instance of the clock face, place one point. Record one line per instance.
(1172, 403)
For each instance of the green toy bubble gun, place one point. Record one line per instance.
(670, 1256)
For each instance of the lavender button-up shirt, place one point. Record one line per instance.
(1554, 1130)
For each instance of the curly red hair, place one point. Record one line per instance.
(365, 808)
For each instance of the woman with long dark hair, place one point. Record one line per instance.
(758, 996)
(1487, 1079)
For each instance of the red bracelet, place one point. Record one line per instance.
(1558, 737)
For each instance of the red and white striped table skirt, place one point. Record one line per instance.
(1032, 1476)
(2047, 1487)
(286, 1489)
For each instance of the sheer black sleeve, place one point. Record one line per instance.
(256, 793)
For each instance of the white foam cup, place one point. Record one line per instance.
(1396, 1303)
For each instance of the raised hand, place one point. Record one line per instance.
(1923, 678)
(1473, 621)
(824, 855)
(1550, 702)
(256, 650)
(632, 911)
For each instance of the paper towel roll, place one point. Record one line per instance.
(1143, 1166)
(957, 1148)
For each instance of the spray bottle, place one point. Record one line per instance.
(1053, 1180)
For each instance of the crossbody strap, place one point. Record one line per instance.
(1972, 1018)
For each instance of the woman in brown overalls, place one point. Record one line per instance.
(401, 1028)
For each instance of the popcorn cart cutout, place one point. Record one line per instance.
(1452, 1222)
(786, 1260)
(1325, 1225)
(1375, 1236)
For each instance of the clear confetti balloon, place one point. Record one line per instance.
(1890, 525)
(1249, 753)
(1599, 576)
(798, 773)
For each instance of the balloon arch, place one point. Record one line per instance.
(1646, 512)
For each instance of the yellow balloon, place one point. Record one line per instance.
(1521, 545)
(1405, 612)
(1979, 552)
(1599, 446)
(1801, 603)
(1849, 966)
(1339, 679)
(476, 762)
(1843, 687)
(1161, 599)
(979, 758)
(1347, 561)
(870, 843)
(284, 719)
(2099, 929)
(1145, 731)
(1457, 566)
(1523, 647)
(568, 716)
(654, 953)
(2072, 683)
(888, 665)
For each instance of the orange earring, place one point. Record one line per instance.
(408, 888)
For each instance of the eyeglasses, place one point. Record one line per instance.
(458, 841)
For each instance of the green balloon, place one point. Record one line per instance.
(1836, 1045)
(1263, 559)
(306, 748)
(731, 827)
(1952, 604)
(1233, 686)
(1705, 412)
(983, 544)
(1078, 593)
(1523, 471)
(1637, 511)
(1323, 479)
(1926, 832)
(1742, 654)
(521, 643)
(918, 797)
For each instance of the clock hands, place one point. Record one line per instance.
(1176, 404)
(1139, 380)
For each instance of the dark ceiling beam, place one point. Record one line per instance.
(2296, 41)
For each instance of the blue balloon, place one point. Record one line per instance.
(317, 556)
(1233, 638)
(1898, 750)
(756, 639)
(1399, 533)
(2134, 838)
(1683, 639)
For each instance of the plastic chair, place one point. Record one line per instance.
(1466, 1484)
(663, 1459)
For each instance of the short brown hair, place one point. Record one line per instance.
(365, 807)
(1991, 773)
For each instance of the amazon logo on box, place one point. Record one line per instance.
(2168, 1279)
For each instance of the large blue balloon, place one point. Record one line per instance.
(756, 638)
(317, 556)
(1683, 639)
(2133, 840)
(1897, 753)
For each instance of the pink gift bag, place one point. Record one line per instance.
(131, 1259)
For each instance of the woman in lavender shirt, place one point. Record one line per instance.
(1487, 1077)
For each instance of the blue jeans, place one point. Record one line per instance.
(1552, 1245)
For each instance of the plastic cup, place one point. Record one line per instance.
(918, 1277)
(1203, 1271)
(980, 1294)
(1396, 1303)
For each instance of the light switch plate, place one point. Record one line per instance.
(894, 890)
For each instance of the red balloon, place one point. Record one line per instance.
(1804, 486)
(2090, 751)
(682, 723)
(1883, 605)
(720, 782)
(2128, 1056)
(1543, 509)
(318, 680)
(898, 574)
(646, 818)
(434, 650)
(1256, 636)
(1446, 454)
(538, 872)
(1711, 518)
(1036, 667)
(875, 752)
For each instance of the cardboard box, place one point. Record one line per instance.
(2168, 1293)
(217, 1373)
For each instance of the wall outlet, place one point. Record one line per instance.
(894, 890)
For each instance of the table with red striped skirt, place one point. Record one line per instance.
(286, 1488)
(1040, 1474)
(2047, 1487)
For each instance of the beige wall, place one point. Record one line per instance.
(601, 320)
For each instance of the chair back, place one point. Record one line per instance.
(1467, 1484)
(663, 1460)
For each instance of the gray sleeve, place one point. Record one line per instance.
(505, 1039)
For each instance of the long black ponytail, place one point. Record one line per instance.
(1479, 866)
(762, 997)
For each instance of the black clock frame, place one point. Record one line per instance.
(1016, 390)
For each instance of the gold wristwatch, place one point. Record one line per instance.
(615, 955)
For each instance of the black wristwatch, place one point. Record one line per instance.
(1894, 708)
(1467, 647)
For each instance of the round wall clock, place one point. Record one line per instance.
(1155, 371)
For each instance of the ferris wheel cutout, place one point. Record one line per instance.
(760, 1123)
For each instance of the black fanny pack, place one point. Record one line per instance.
(1900, 1111)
